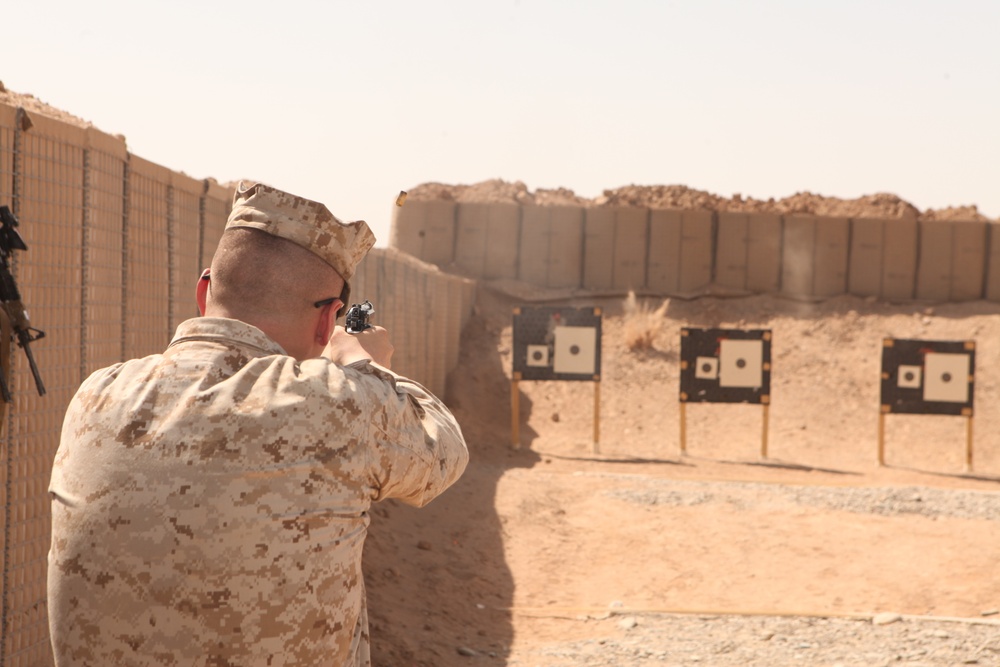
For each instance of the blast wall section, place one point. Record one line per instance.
(692, 252)
(115, 246)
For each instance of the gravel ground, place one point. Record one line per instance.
(631, 638)
(885, 501)
(668, 640)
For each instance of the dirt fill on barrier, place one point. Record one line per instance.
(881, 205)
(533, 549)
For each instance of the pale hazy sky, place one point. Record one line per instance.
(350, 102)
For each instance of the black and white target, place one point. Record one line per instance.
(725, 365)
(928, 377)
(552, 343)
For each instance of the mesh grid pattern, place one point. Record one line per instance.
(185, 233)
(147, 289)
(50, 208)
(103, 261)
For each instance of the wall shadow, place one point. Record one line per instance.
(439, 587)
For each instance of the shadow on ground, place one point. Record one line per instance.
(439, 586)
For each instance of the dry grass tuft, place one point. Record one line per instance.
(642, 324)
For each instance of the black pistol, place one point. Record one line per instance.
(25, 334)
(358, 316)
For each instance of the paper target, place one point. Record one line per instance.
(947, 377)
(928, 377)
(557, 343)
(538, 356)
(740, 363)
(725, 365)
(575, 350)
(909, 377)
(706, 368)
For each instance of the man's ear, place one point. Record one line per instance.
(201, 290)
(325, 324)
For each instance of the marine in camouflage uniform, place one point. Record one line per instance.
(210, 503)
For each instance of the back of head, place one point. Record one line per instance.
(257, 276)
(280, 253)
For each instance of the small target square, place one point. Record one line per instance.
(538, 356)
(707, 368)
(909, 377)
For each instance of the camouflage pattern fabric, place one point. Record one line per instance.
(209, 505)
(305, 222)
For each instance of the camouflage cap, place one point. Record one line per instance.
(304, 222)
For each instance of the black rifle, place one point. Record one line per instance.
(357, 317)
(10, 241)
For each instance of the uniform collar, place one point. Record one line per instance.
(226, 332)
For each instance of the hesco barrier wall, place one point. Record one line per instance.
(115, 247)
(687, 252)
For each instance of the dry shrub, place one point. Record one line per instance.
(642, 324)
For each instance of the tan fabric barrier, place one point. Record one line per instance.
(147, 275)
(104, 216)
(630, 248)
(883, 258)
(8, 117)
(184, 232)
(425, 230)
(486, 239)
(215, 206)
(952, 260)
(680, 251)
(598, 248)
(992, 289)
(551, 245)
(814, 256)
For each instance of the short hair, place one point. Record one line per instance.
(258, 274)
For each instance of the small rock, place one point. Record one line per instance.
(617, 604)
(424, 545)
(555, 417)
(990, 612)
(467, 652)
(885, 618)
(628, 623)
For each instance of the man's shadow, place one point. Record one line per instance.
(439, 588)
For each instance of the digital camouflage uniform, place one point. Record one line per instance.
(210, 503)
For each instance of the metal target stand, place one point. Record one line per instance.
(930, 378)
(725, 366)
(515, 412)
(552, 343)
(765, 418)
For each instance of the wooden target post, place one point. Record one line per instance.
(927, 377)
(725, 366)
(552, 343)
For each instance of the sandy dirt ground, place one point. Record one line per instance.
(632, 553)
